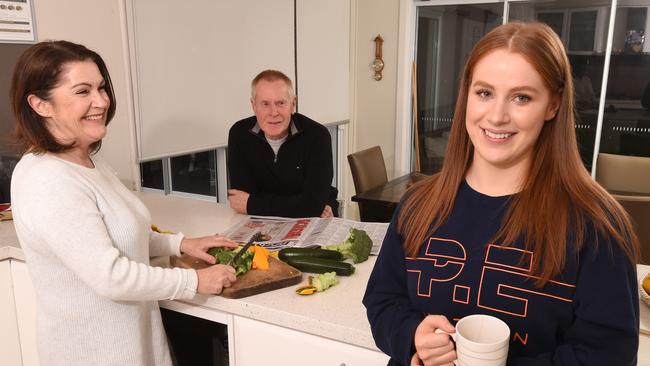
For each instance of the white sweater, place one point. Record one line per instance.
(87, 242)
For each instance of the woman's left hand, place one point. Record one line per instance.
(198, 247)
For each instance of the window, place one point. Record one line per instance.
(581, 35)
(445, 36)
(8, 157)
(626, 116)
(195, 173)
(582, 30)
(152, 175)
(623, 117)
(554, 19)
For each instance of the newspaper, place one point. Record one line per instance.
(280, 232)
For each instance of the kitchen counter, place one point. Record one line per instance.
(336, 314)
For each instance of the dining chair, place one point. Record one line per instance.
(368, 172)
(638, 207)
(621, 173)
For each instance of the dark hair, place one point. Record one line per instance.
(37, 72)
(558, 196)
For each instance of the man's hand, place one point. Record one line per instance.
(327, 212)
(238, 200)
(434, 348)
(198, 247)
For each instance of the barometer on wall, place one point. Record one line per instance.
(378, 64)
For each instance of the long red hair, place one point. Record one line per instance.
(558, 199)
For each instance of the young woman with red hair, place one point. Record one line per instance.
(513, 226)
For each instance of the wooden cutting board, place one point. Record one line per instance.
(253, 282)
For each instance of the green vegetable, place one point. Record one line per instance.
(356, 247)
(287, 253)
(323, 281)
(224, 255)
(321, 265)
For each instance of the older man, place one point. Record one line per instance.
(279, 161)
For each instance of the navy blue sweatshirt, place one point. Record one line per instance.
(588, 315)
(296, 182)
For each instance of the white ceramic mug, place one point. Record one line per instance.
(481, 340)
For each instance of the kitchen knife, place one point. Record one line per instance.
(253, 239)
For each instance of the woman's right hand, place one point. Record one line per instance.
(214, 279)
(433, 348)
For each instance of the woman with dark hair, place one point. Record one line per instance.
(513, 226)
(86, 238)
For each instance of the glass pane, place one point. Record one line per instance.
(151, 174)
(582, 30)
(554, 20)
(445, 36)
(626, 122)
(195, 173)
(8, 157)
(8, 162)
(587, 63)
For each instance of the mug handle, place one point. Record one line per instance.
(453, 337)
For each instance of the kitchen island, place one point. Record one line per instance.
(277, 327)
(328, 328)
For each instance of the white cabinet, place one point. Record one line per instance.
(17, 316)
(25, 312)
(259, 343)
(9, 343)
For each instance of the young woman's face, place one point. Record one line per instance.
(77, 108)
(507, 105)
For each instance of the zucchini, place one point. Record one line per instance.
(287, 253)
(320, 265)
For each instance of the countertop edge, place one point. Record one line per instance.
(11, 252)
(300, 323)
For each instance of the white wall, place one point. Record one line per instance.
(97, 25)
(373, 102)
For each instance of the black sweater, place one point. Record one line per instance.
(588, 315)
(295, 184)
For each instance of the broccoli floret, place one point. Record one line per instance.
(356, 247)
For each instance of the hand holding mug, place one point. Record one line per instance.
(433, 348)
(481, 340)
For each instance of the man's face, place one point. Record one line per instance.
(273, 106)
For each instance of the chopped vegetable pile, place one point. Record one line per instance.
(257, 257)
(224, 255)
(356, 247)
